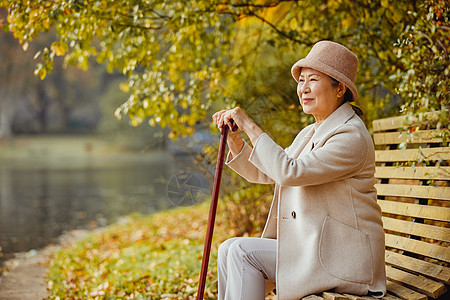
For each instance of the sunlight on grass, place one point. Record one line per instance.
(156, 257)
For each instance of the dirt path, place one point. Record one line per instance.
(27, 278)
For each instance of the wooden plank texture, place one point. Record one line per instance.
(389, 123)
(400, 121)
(418, 247)
(422, 285)
(415, 210)
(436, 173)
(417, 229)
(414, 191)
(333, 296)
(403, 292)
(395, 138)
(439, 153)
(418, 266)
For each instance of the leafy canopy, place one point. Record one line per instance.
(181, 56)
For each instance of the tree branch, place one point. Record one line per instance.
(280, 32)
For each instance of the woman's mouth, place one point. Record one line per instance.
(307, 100)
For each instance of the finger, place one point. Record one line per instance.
(221, 120)
(218, 118)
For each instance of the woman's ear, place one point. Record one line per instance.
(341, 88)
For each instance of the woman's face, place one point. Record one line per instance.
(317, 96)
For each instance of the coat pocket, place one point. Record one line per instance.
(345, 252)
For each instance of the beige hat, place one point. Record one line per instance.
(332, 59)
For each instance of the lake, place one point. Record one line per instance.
(43, 197)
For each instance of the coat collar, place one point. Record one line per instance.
(340, 116)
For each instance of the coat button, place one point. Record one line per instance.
(293, 214)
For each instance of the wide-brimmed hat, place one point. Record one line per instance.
(333, 59)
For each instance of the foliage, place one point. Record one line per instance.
(157, 257)
(182, 56)
(119, 132)
(422, 78)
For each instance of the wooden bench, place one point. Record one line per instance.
(413, 187)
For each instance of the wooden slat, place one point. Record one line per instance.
(400, 121)
(403, 292)
(422, 285)
(417, 229)
(418, 247)
(415, 210)
(418, 266)
(333, 296)
(412, 154)
(436, 173)
(389, 123)
(414, 191)
(395, 138)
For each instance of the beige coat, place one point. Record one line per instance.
(324, 211)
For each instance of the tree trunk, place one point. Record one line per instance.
(6, 112)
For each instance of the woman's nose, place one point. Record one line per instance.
(303, 88)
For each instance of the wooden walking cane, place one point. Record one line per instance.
(212, 209)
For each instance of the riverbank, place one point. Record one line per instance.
(162, 251)
(148, 257)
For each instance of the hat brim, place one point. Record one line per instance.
(320, 66)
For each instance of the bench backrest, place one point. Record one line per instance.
(413, 188)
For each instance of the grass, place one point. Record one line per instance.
(151, 257)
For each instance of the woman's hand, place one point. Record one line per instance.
(244, 123)
(224, 117)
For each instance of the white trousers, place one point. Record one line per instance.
(243, 265)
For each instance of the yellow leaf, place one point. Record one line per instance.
(135, 123)
(347, 22)
(124, 87)
(293, 24)
(58, 48)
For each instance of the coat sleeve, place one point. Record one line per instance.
(342, 155)
(241, 165)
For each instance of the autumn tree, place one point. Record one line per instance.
(182, 56)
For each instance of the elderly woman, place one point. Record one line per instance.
(324, 229)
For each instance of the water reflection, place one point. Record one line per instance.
(39, 204)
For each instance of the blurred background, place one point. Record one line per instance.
(66, 162)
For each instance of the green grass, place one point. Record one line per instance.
(152, 257)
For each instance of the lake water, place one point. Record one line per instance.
(40, 202)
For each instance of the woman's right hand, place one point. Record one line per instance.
(243, 122)
(236, 115)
